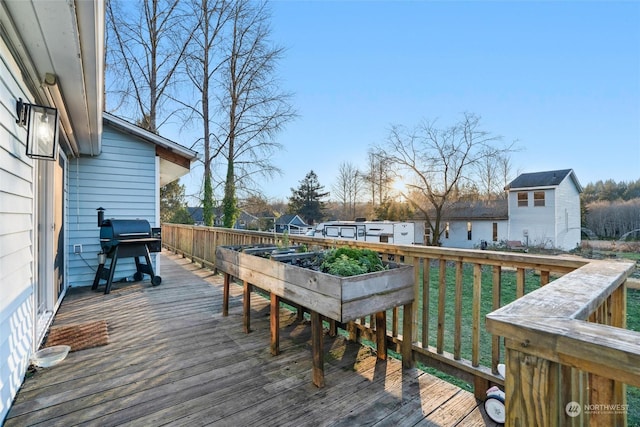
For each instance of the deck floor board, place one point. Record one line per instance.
(173, 359)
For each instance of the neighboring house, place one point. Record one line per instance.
(544, 209)
(51, 55)
(291, 224)
(245, 220)
(468, 224)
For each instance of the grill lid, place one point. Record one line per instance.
(125, 229)
(116, 231)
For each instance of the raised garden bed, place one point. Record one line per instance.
(290, 275)
(339, 298)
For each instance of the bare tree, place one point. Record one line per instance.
(146, 48)
(252, 107)
(440, 162)
(347, 189)
(202, 62)
(379, 176)
(613, 219)
(494, 174)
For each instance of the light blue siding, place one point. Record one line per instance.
(16, 237)
(122, 180)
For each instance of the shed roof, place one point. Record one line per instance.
(543, 179)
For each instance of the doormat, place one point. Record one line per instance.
(79, 336)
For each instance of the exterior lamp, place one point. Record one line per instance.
(42, 129)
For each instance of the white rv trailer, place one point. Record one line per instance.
(400, 233)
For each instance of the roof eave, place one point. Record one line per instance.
(64, 40)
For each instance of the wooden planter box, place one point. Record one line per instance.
(339, 298)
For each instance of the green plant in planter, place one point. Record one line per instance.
(351, 262)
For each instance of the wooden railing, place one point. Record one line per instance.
(562, 320)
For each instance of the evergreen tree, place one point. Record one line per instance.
(173, 208)
(306, 200)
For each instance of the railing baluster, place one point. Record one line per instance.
(415, 329)
(477, 299)
(426, 286)
(442, 291)
(496, 304)
(457, 328)
(520, 282)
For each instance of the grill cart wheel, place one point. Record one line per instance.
(494, 405)
(137, 276)
(156, 280)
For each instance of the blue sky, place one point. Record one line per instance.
(561, 78)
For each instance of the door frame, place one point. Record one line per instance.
(49, 194)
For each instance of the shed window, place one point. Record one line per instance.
(446, 231)
(538, 198)
(468, 230)
(523, 199)
(495, 231)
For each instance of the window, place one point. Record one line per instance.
(523, 199)
(469, 230)
(446, 231)
(495, 231)
(348, 232)
(538, 198)
(332, 232)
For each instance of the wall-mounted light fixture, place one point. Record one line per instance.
(42, 129)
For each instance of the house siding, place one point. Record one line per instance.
(16, 236)
(533, 225)
(567, 213)
(480, 230)
(123, 181)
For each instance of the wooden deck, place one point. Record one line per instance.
(173, 359)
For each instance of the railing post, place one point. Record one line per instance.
(605, 392)
(531, 392)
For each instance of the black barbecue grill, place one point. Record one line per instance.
(126, 238)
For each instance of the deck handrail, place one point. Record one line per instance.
(566, 345)
(579, 312)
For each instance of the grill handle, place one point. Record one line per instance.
(100, 216)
